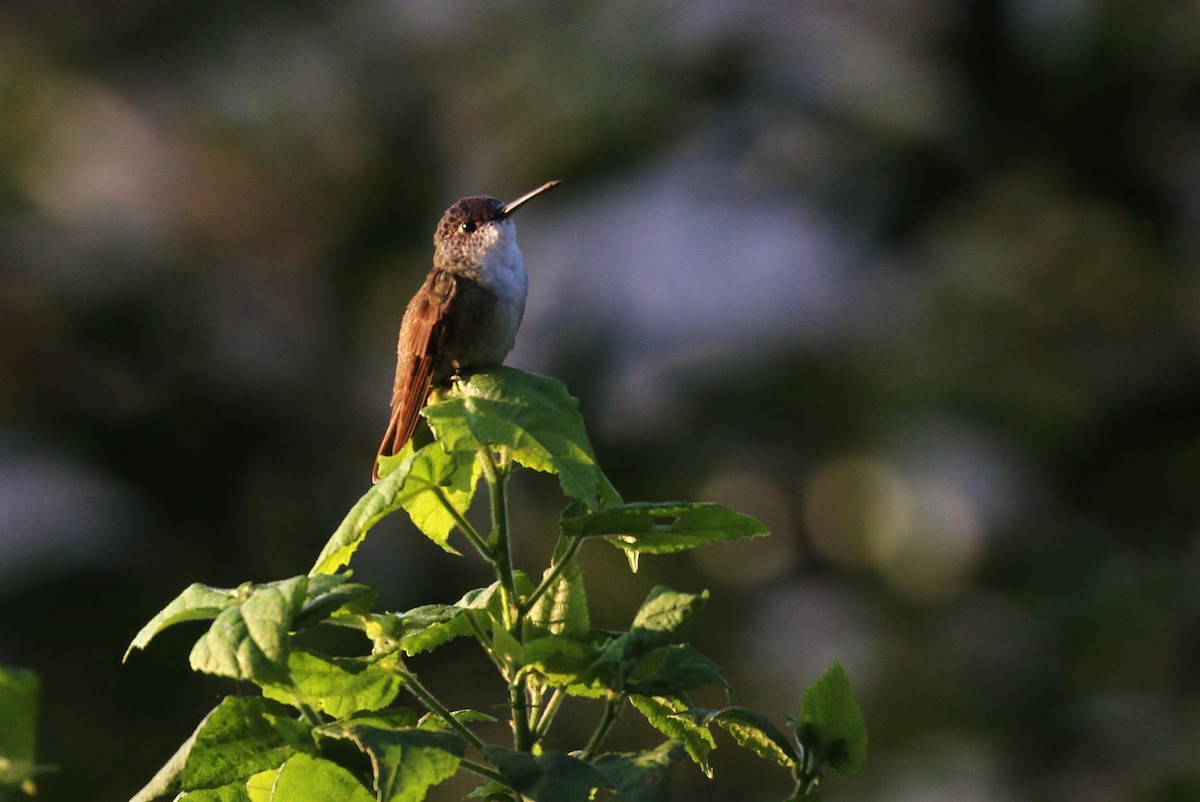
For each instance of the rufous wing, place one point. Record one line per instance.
(422, 334)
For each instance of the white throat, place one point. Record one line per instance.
(502, 268)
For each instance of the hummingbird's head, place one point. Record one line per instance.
(478, 229)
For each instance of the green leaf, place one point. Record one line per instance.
(338, 686)
(663, 713)
(304, 778)
(661, 616)
(197, 602)
(390, 463)
(323, 596)
(249, 641)
(233, 792)
(562, 609)
(328, 594)
(166, 779)
(663, 527)
(506, 648)
(405, 763)
(418, 485)
(241, 736)
(752, 730)
(424, 628)
(18, 715)
(642, 776)
(258, 788)
(394, 718)
(438, 482)
(563, 662)
(19, 690)
(663, 613)
(533, 416)
(432, 721)
(644, 661)
(548, 777)
(671, 670)
(830, 724)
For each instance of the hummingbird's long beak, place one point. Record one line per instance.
(512, 206)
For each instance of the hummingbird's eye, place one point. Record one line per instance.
(468, 226)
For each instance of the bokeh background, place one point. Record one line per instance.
(913, 281)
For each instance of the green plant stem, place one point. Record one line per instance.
(547, 713)
(497, 479)
(483, 771)
(522, 740)
(611, 708)
(437, 708)
(518, 696)
(810, 773)
(309, 714)
(482, 637)
(465, 526)
(549, 579)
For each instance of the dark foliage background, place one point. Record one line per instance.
(914, 282)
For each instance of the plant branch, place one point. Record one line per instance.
(482, 637)
(309, 714)
(518, 696)
(465, 526)
(522, 740)
(497, 479)
(483, 771)
(546, 716)
(436, 707)
(612, 707)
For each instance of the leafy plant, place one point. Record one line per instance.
(330, 727)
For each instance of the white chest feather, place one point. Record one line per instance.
(503, 266)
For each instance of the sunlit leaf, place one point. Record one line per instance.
(417, 484)
(421, 485)
(561, 661)
(751, 730)
(664, 527)
(533, 416)
(304, 778)
(644, 661)
(232, 792)
(562, 609)
(338, 686)
(664, 714)
(328, 594)
(405, 763)
(321, 597)
(197, 602)
(376, 504)
(431, 721)
(241, 736)
(664, 612)
(249, 640)
(438, 482)
(424, 628)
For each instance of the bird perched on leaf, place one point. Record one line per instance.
(466, 315)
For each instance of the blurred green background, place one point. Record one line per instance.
(914, 282)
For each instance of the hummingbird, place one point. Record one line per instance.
(466, 315)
